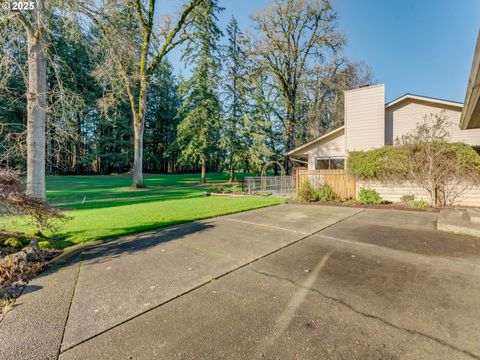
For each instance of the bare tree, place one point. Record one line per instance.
(324, 89)
(444, 170)
(33, 23)
(28, 57)
(133, 48)
(294, 33)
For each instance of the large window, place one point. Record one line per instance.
(329, 163)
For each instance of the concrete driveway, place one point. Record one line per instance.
(286, 282)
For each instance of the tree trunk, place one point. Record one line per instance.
(204, 171)
(231, 170)
(138, 154)
(36, 105)
(290, 109)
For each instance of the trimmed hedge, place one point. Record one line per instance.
(376, 164)
(394, 161)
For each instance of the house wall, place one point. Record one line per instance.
(365, 118)
(332, 147)
(394, 192)
(403, 119)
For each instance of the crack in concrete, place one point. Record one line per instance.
(267, 226)
(71, 303)
(371, 316)
(202, 284)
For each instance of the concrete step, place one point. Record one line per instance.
(474, 215)
(457, 221)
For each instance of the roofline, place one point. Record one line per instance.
(423, 98)
(470, 118)
(365, 87)
(314, 141)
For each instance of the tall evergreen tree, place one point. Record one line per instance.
(235, 122)
(200, 113)
(161, 121)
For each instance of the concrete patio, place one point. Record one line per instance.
(286, 282)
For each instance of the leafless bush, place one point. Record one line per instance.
(445, 170)
(13, 201)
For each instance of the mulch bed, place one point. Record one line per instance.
(388, 206)
(17, 268)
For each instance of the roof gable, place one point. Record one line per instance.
(425, 99)
(301, 150)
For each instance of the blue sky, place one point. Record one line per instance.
(423, 47)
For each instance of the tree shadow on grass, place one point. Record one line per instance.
(115, 198)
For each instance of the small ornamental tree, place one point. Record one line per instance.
(424, 158)
(14, 201)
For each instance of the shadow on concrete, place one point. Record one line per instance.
(113, 248)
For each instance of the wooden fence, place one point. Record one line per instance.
(339, 180)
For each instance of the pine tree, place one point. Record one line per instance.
(161, 121)
(235, 124)
(200, 113)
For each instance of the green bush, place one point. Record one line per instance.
(326, 193)
(392, 161)
(216, 189)
(306, 192)
(418, 203)
(369, 197)
(13, 242)
(378, 163)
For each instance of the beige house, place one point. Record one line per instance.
(370, 124)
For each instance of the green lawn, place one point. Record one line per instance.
(102, 207)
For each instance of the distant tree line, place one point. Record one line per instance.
(110, 101)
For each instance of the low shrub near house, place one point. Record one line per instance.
(376, 164)
(369, 197)
(406, 198)
(424, 158)
(420, 203)
(326, 193)
(306, 192)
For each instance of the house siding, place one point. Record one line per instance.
(394, 192)
(404, 118)
(365, 118)
(332, 147)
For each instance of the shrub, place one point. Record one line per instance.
(216, 189)
(406, 198)
(13, 242)
(376, 164)
(326, 193)
(14, 201)
(425, 158)
(420, 203)
(369, 196)
(306, 192)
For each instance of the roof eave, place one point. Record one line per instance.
(470, 118)
(409, 96)
(301, 150)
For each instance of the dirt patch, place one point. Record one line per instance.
(210, 184)
(391, 206)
